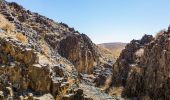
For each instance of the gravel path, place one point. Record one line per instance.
(95, 93)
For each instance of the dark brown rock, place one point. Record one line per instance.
(127, 58)
(80, 51)
(145, 76)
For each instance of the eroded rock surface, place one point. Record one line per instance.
(40, 58)
(143, 68)
(80, 50)
(128, 58)
(21, 70)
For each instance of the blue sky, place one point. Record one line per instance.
(106, 20)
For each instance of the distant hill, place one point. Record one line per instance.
(115, 47)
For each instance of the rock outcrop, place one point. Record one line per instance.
(143, 68)
(40, 58)
(59, 37)
(80, 50)
(128, 58)
(23, 69)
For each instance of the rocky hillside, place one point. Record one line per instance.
(45, 60)
(143, 68)
(41, 59)
(115, 48)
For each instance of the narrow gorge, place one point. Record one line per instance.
(41, 59)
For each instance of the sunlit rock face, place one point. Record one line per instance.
(40, 58)
(143, 68)
(23, 70)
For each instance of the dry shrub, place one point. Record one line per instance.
(62, 91)
(46, 49)
(107, 83)
(21, 37)
(5, 24)
(116, 91)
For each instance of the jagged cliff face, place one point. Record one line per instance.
(143, 68)
(40, 57)
(128, 58)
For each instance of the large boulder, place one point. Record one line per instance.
(80, 50)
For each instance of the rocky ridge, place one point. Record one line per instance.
(143, 68)
(40, 58)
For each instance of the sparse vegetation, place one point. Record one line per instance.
(107, 53)
(116, 91)
(107, 83)
(46, 49)
(6, 25)
(21, 38)
(114, 48)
